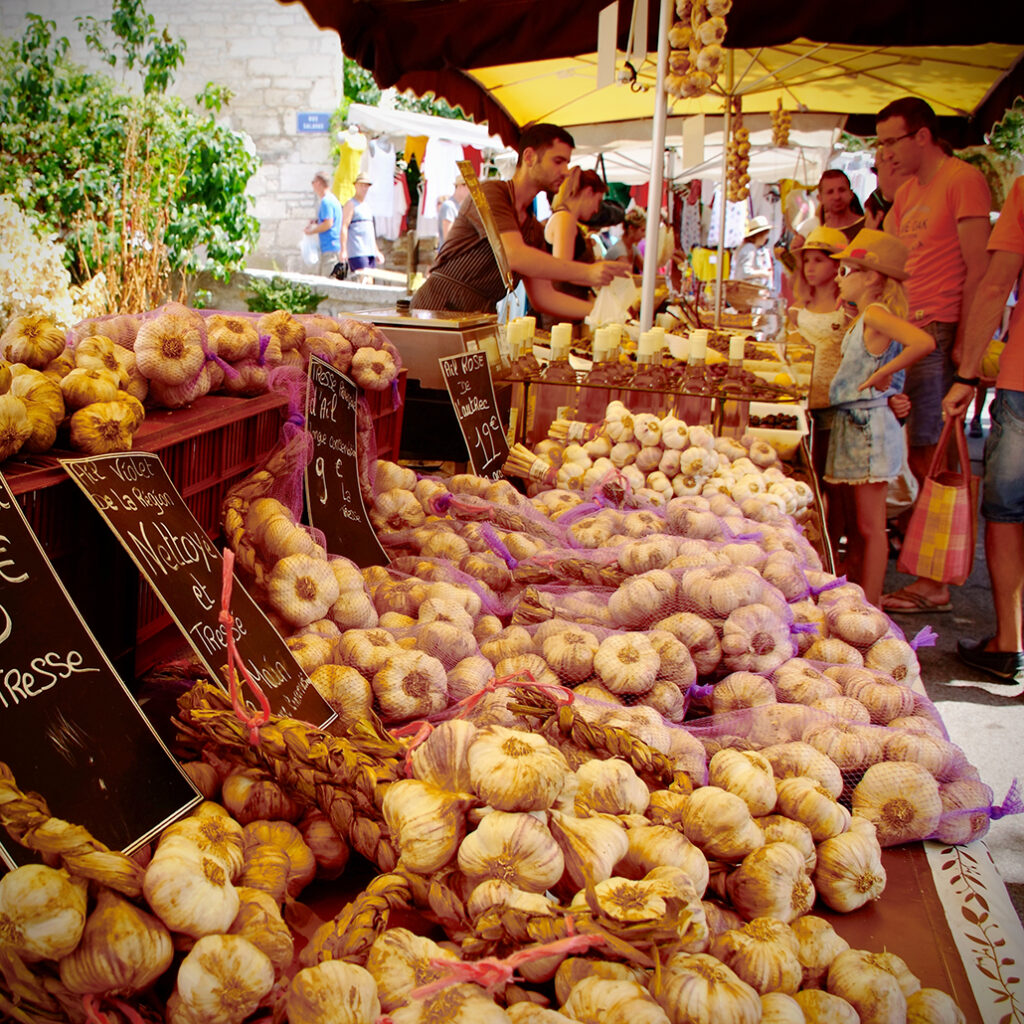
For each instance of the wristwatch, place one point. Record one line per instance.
(971, 382)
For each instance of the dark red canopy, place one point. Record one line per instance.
(423, 44)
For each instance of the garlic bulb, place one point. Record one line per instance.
(513, 770)
(223, 978)
(611, 786)
(779, 1008)
(820, 944)
(747, 774)
(597, 1000)
(652, 845)
(932, 1006)
(122, 950)
(259, 920)
(720, 823)
(772, 882)
(457, 1004)
(824, 1008)
(797, 758)
(42, 912)
(514, 847)
(442, 758)
(901, 799)
(763, 953)
(575, 968)
(495, 894)
(596, 843)
(190, 892)
(858, 977)
(217, 835)
(400, 961)
(777, 828)
(427, 823)
(627, 662)
(804, 800)
(849, 872)
(333, 992)
(697, 988)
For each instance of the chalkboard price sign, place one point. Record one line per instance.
(133, 493)
(69, 729)
(468, 379)
(334, 498)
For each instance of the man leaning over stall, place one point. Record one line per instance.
(465, 276)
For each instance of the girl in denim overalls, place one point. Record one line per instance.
(865, 447)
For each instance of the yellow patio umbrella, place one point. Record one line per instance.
(802, 75)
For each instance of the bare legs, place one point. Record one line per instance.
(1004, 553)
(871, 554)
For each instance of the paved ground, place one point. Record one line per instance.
(985, 718)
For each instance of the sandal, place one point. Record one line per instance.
(916, 604)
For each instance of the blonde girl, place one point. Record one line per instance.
(865, 448)
(815, 315)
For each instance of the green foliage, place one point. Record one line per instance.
(106, 168)
(1007, 135)
(280, 293)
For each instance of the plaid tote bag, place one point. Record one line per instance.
(940, 540)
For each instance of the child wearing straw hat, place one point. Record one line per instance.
(752, 260)
(865, 446)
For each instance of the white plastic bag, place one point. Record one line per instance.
(613, 302)
(310, 248)
(901, 492)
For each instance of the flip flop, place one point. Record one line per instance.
(919, 604)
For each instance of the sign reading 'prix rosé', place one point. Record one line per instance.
(334, 498)
(133, 493)
(69, 729)
(468, 379)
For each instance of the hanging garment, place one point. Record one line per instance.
(440, 166)
(382, 172)
(350, 161)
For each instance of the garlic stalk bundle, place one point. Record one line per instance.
(333, 992)
(42, 912)
(259, 920)
(428, 823)
(122, 950)
(514, 847)
(513, 770)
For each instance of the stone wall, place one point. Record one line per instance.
(277, 62)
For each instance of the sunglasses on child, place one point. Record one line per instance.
(845, 270)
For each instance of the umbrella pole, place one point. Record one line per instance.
(726, 131)
(657, 172)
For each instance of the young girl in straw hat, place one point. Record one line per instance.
(865, 446)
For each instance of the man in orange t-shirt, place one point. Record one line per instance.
(1003, 499)
(941, 214)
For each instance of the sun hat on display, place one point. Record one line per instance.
(876, 250)
(756, 225)
(823, 239)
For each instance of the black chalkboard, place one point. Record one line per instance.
(334, 499)
(69, 728)
(133, 493)
(468, 379)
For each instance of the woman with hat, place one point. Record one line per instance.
(752, 260)
(358, 239)
(865, 448)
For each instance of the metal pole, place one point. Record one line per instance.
(657, 176)
(726, 131)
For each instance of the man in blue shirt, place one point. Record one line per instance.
(327, 224)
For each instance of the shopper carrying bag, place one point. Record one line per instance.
(943, 530)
